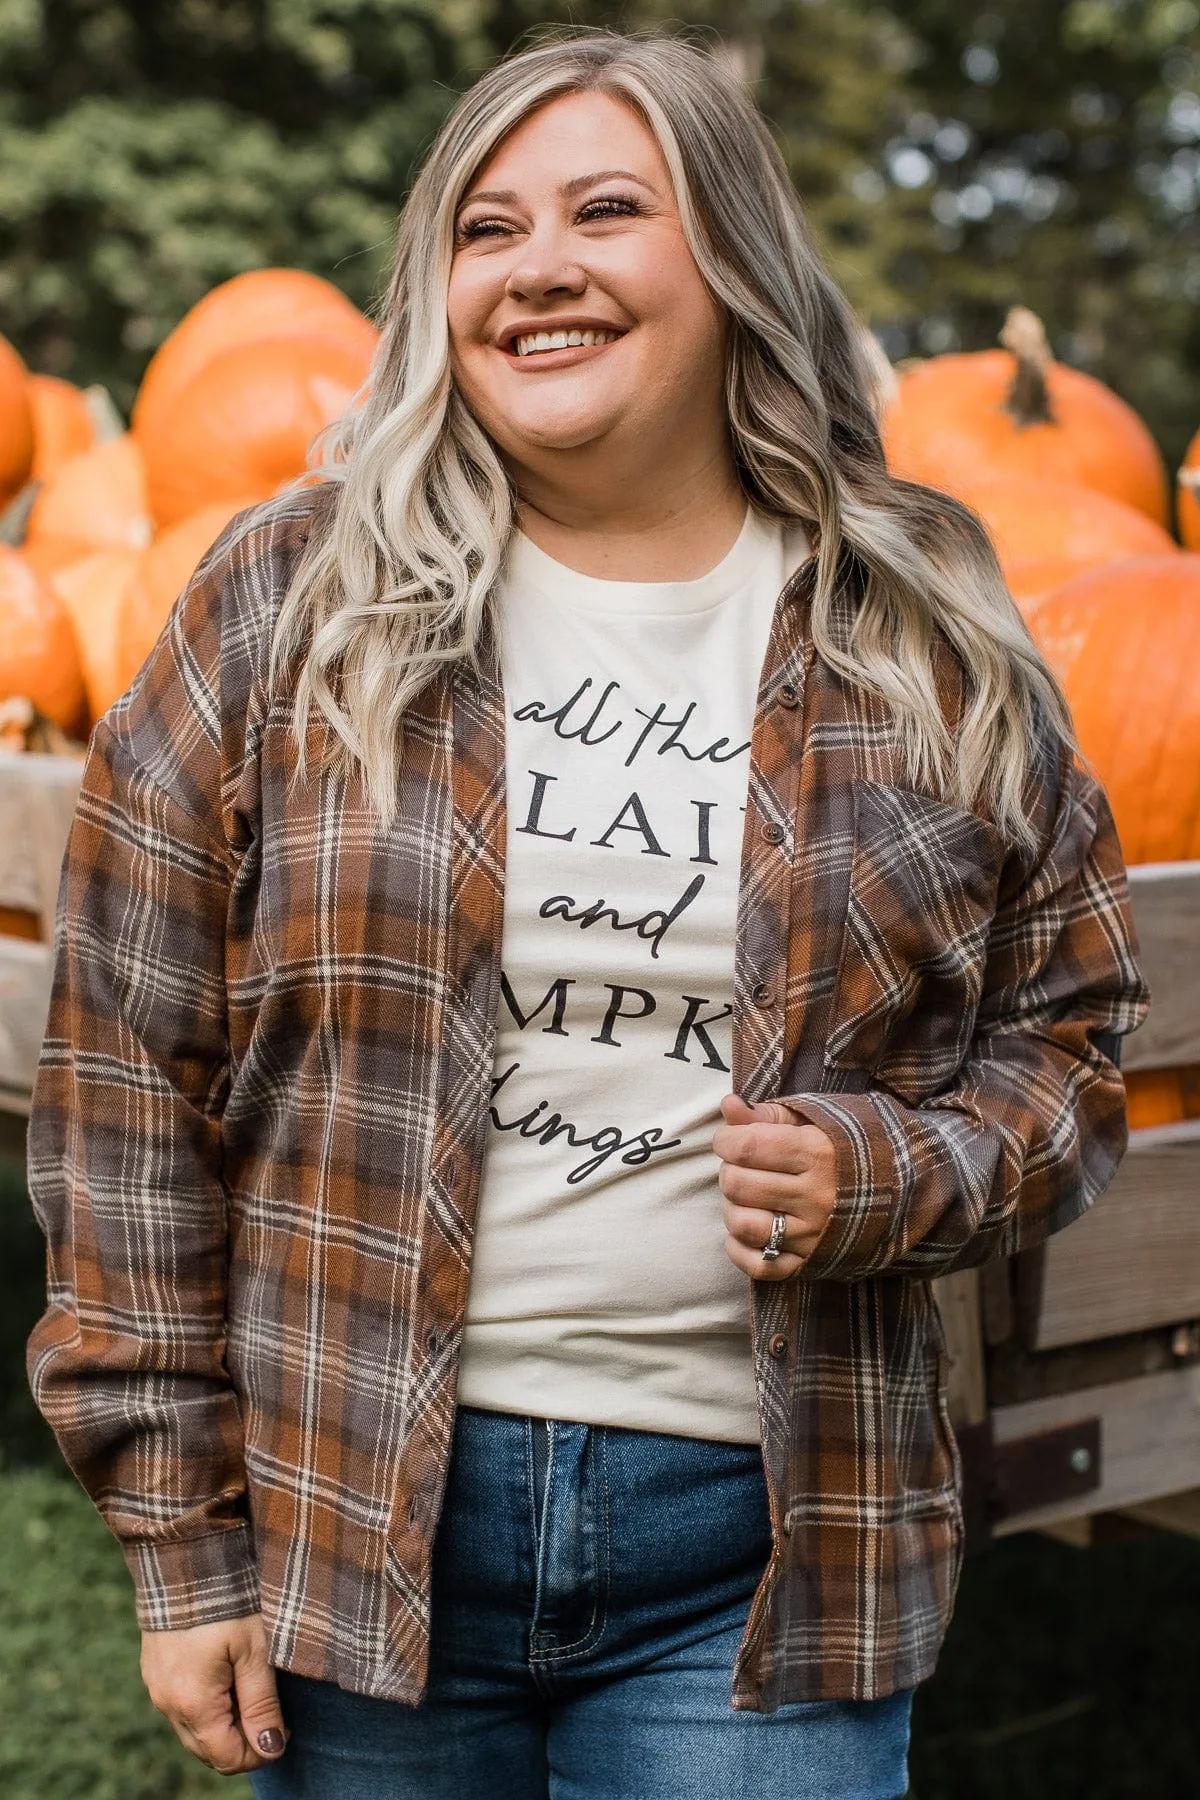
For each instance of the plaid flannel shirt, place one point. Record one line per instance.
(259, 1118)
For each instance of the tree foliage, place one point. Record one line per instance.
(954, 160)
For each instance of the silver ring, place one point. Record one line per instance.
(774, 1243)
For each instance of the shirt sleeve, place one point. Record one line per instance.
(127, 1363)
(1033, 1127)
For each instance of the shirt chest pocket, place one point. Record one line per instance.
(923, 882)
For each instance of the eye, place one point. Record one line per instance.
(610, 206)
(477, 228)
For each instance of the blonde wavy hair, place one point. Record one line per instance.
(396, 582)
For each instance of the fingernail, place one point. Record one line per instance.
(270, 1742)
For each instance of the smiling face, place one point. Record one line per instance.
(578, 318)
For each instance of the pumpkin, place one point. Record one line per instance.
(1161, 1096)
(1031, 578)
(1122, 642)
(62, 424)
(1032, 520)
(39, 656)
(1016, 411)
(92, 590)
(1189, 495)
(265, 303)
(17, 921)
(158, 577)
(242, 427)
(97, 501)
(16, 423)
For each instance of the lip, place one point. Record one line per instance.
(563, 359)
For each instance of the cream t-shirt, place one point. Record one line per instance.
(600, 1289)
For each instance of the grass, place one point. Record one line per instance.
(1069, 1674)
(78, 1724)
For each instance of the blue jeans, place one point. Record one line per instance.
(590, 1587)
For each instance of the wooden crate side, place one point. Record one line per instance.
(1166, 911)
(1173, 1512)
(25, 973)
(1133, 1261)
(1149, 1441)
(37, 802)
(958, 1302)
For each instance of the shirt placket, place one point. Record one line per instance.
(473, 933)
(759, 1038)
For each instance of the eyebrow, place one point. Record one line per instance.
(509, 196)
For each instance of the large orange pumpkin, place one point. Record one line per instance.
(1075, 527)
(242, 426)
(1189, 495)
(1017, 411)
(91, 590)
(1123, 643)
(62, 424)
(265, 303)
(16, 423)
(97, 501)
(38, 653)
(1161, 1096)
(159, 576)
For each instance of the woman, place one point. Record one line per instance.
(607, 640)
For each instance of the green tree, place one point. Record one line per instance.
(953, 160)
(1056, 147)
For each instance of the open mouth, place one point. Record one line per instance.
(549, 343)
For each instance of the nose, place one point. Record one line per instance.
(544, 268)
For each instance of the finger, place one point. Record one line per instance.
(736, 1111)
(750, 1262)
(764, 1188)
(790, 1149)
(256, 1696)
(210, 1720)
(751, 1227)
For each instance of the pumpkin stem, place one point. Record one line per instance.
(14, 520)
(1028, 399)
(107, 422)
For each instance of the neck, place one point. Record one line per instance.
(622, 525)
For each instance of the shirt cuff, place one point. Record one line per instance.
(857, 1240)
(193, 1581)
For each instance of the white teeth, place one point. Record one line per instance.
(533, 341)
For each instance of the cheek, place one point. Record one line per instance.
(469, 301)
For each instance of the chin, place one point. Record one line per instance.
(574, 431)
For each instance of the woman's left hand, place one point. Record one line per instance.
(773, 1161)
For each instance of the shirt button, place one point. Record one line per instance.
(763, 994)
(787, 695)
(778, 1345)
(416, 1509)
(774, 834)
(450, 1174)
(433, 1343)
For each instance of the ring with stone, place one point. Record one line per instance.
(774, 1243)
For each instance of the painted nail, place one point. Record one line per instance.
(270, 1742)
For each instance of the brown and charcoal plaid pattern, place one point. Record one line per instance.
(257, 1136)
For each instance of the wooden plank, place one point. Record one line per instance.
(1149, 1441)
(1172, 1512)
(1166, 911)
(1133, 1261)
(957, 1298)
(37, 802)
(25, 973)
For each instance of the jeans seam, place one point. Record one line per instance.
(599, 1619)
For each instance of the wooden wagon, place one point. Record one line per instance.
(1074, 1368)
